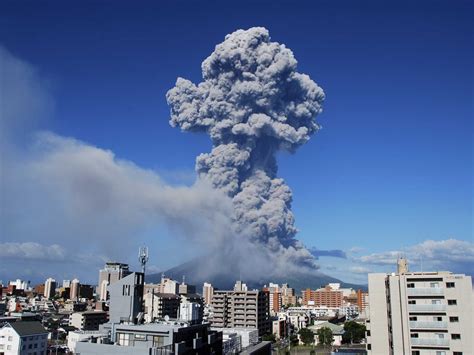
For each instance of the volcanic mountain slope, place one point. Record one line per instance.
(225, 280)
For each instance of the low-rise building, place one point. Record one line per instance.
(89, 320)
(156, 338)
(23, 338)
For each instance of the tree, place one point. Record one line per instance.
(269, 337)
(353, 332)
(306, 336)
(325, 336)
(294, 340)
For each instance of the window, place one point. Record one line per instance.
(413, 318)
(412, 302)
(369, 346)
(454, 319)
(412, 285)
(2, 346)
(123, 339)
(457, 352)
(450, 285)
(437, 319)
(9, 347)
(441, 352)
(415, 352)
(434, 284)
(414, 335)
(368, 333)
(10, 338)
(440, 335)
(452, 302)
(30, 346)
(455, 336)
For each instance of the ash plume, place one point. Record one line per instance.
(253, 103)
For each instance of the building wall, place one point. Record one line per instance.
(241, 309)
(420, 312)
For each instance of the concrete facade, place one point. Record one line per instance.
(420, 313)
(241, 309)
(126, 298)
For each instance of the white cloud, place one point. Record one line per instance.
(451, 254)
(32, 251)
(359, 270)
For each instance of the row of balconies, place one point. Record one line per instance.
(426, 307)
(428, 325)
(429, 341)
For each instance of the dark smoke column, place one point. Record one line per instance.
(252, 103)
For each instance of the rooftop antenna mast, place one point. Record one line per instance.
(143, 257)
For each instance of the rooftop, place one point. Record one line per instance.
(27, 328)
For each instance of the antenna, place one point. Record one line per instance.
(143, 257)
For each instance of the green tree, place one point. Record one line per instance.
(306, 336)
(294, 340)
(325, 336)
(353, 332)
(269, 337)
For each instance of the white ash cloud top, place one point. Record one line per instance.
(252, 102)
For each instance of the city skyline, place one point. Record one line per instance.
(86, 139)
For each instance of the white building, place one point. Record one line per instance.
(420, 313)
(81, 335)
(49, 288)
(189, 311)
(23, 338)
(19, 284)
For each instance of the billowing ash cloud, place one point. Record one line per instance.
(253, 103)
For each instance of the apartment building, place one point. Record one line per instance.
(329, 296)
(420, 313)
(88, 320)
(241, 309)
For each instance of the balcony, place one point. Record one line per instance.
(429, 342)
(427, 291)
(426, 307)
(428, 325)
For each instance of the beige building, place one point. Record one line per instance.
(111, 273)
(418, 313)
(207, 292)
(241, 309)
(74, 290)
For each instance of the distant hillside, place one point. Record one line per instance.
(224, 280)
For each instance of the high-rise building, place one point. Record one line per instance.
(159, 305)
(288, 295)
(66, 283)
(329, 296)
(240, 286)
(275, 297)
(50, 288)
(111, 273)
(420, 313)
(241, 309)
(207, 292)
(126, 298)
(74, 290)
(362, 300)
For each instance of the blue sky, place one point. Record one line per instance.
(392, 166)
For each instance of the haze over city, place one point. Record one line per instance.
(97, 160)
